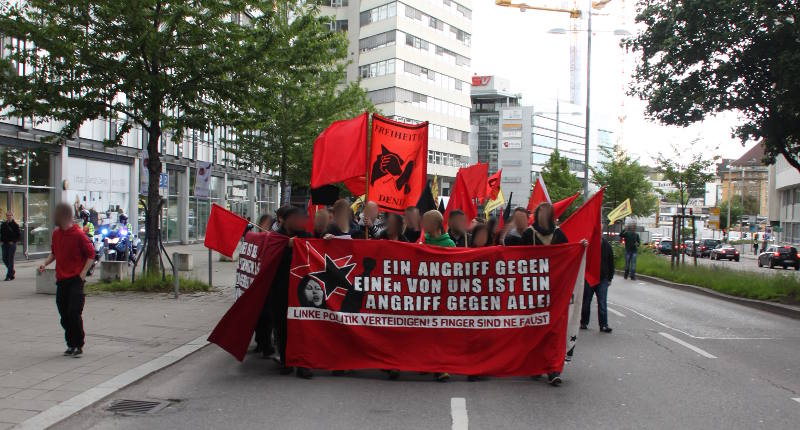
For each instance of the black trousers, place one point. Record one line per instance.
(264, 329)
(278, 309)
(70, 300)
(9, 248)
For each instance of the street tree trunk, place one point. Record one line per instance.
(152, 226)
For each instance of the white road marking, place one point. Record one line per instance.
(685, 333)
(687, 344)
(796, 399)
(616, 312)
(458, 410)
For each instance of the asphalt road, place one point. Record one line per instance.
(675, 360)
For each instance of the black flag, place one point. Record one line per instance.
(507, 210)
(426, 201)
(325, 195)
(441, 206)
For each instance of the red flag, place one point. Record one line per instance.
(493, 185)
(235, 330)
(538, 195)
(476, 179)
(560, 206)
(460, 199)
(340, 152)
(312, 211)
(224, 230)
(585, 224)
(398, 163)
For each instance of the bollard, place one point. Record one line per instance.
(175, 273)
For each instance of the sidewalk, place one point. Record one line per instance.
(123, 331)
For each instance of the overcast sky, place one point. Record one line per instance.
(517, 46)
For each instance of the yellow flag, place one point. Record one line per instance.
(435, 189)
(494, 204)
(359, 201)
(620, 211)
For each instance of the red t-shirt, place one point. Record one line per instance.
(72, 248)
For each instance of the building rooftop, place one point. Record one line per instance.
(753, 157)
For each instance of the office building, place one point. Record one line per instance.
(35, 175)
(489, 95)
(413, 59)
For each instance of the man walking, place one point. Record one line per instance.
(9, 236)
(600, 290)
(632, 241)
(73, 253)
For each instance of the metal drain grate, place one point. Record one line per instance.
(136, 407)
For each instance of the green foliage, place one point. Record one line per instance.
(624, 178)
(740, 283)
(701, 57)
(751, 207)
(689, 179)
(560, 182)
(675, 197)
(150, 284)
(300, 95)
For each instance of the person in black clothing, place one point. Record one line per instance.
(263, 332)
(412, 230)
(513, 231)
(322, 220)
(343, 224)
(9, 236)
(601, 290)
(394, 228)
(294, 220)
(457, 228)
(480, 236)
(544, 230)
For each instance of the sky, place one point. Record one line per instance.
(517, 46)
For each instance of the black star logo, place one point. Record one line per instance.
(334, 276)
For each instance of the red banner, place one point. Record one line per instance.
(398, 163)
(251, 254)
(489, 311)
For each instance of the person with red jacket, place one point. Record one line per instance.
(73, 253)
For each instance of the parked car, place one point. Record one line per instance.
(726, 251)
(690, 248)
(706, 245)
(775, 255)
(664, 247)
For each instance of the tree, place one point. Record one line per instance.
(560, 182)
(163, 65)
(736, 212)
(675, 197)
(301, 96)
(702, 57)
(624, 178)
(689, 179)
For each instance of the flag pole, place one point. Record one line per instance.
(366, 187)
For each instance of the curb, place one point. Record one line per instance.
(69, 407)
(774, 308)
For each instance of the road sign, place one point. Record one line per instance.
(713, 218)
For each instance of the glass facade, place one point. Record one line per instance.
(26, 190)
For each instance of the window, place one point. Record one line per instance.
(378, 14)
(464, 11)
(377, 41)
(380, 68)
(413, 13)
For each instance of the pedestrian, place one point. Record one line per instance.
(294, 221)
(513, 232)
(433, 224)
(73, 253)
(370, 220)
(394, 229)
(265, 223)
(632, 241)
(322, 220)
(600, 290)
(755, 243)
(248, 228)
(9, 236)
(343, 224)
(457, 228)
(411, 221)
(480, 236)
